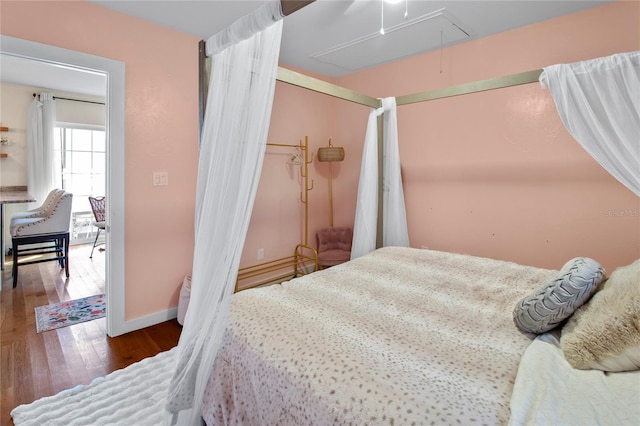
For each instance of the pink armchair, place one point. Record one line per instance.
(334, 246)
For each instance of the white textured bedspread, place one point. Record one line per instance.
(548, 391)
(399, 337)
(135, 395)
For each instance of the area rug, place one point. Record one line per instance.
(135, 395)
(71, 312)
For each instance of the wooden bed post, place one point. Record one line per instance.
(203, 84)
(290, 6)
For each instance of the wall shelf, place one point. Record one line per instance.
(3, 155)
(3, 140)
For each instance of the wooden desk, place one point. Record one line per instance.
(11, 195)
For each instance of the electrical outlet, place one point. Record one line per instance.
(160, 179)
(260, 254)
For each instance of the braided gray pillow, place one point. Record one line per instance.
(551, 304)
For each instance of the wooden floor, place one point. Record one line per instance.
(34, 365)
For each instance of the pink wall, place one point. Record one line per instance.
(278, 216)
(496, 174)
(491, 174)
(161, 133)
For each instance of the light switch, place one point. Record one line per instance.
(160, 178)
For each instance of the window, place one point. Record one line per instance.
(80, 151)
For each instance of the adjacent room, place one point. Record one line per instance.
(226, 236)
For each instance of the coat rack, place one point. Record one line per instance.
(304, 254)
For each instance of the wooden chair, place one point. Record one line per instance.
(98, 205)
(47, 233)
(334, 246)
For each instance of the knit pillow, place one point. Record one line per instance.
(551, 304)
(604, 334)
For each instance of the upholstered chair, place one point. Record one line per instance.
(47, 234)
(334, 246)
(48, 203)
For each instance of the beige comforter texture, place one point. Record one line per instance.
(398, 337)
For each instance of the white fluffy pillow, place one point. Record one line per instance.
(551, 304)
(604, 334)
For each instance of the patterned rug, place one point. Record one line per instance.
(71, 312)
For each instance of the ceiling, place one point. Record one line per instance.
(330, 37)
(29, 72)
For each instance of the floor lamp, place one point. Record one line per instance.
(330, 154)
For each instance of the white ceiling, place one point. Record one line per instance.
(29, 72)
(330, 37)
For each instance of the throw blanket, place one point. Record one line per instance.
(400, 336)
(548, 391)
(135, 395)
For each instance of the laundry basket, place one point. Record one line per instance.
(185, 295)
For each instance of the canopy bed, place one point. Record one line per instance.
(408, 336)
(393, 337)
(279, 355)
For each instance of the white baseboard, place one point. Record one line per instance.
(148, 321)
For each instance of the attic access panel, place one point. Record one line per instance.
(424, 33)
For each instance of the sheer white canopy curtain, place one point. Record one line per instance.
(599, 103)
(365, 225)
(394, 216)
(41, 176)
(394, 219)
(233, 142)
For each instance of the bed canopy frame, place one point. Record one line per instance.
(206, 319)
(310, 83)
(198, 349)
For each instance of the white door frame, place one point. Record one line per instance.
(115, 191)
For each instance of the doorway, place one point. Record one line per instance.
(113, 71)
